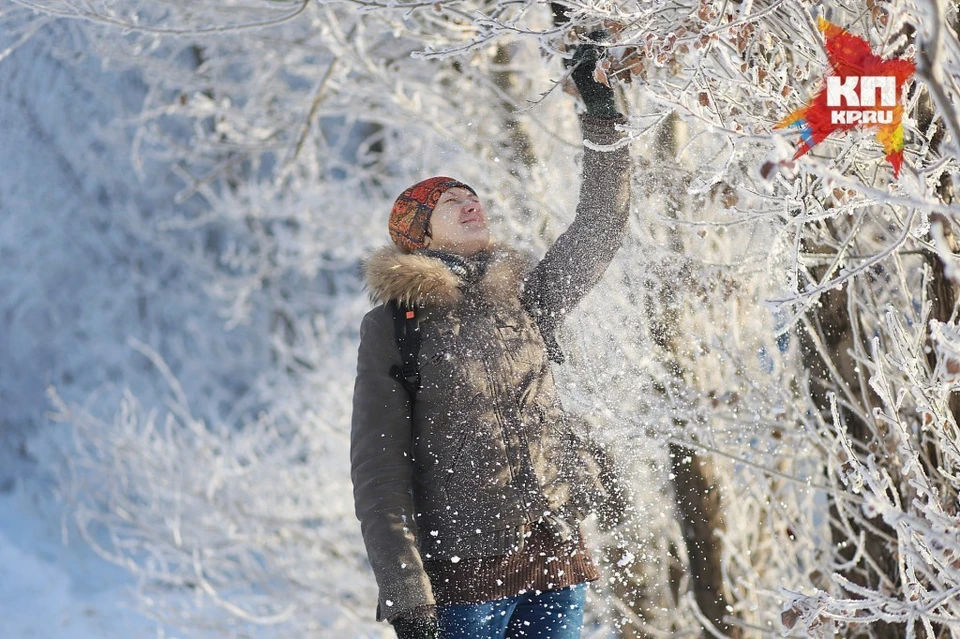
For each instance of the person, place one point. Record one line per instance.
(471, 485)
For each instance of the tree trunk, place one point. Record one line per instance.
(942, 292)
(696, 493)
(830, 324)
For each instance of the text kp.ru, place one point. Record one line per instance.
(857, 92)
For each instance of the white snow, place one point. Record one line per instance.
(49, 590)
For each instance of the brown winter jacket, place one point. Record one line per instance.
(486, 447)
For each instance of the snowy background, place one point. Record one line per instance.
(187, 190)
(72, 290)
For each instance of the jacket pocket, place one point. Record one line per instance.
(480, 464)
(512, 333)
(437, 452)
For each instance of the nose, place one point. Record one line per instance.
(471, 206)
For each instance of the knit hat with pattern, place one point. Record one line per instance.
(412, 210)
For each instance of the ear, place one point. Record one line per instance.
(427, 235)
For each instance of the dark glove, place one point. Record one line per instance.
(416, 628)
(597, 97)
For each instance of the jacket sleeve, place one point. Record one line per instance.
(580, 256)
(381, 470)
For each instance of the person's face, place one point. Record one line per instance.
(459, 223)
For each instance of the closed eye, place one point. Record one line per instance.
(453, 198)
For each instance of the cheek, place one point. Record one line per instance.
(441, 221)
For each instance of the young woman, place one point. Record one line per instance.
(470, 485)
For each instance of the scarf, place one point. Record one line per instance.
(469, 269)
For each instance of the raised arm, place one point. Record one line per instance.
(381, 469)
(580, 256)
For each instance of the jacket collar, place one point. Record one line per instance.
(414, 279)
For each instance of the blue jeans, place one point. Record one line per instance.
(553, 614)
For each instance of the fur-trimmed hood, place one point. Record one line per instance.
(392, 274)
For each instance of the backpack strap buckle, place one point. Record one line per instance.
(406, 326)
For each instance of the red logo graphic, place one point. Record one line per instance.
(861, 90)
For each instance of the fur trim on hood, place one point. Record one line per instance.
(392, 274)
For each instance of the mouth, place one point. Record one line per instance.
(470, 219)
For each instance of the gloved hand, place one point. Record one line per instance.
(597, 97)
(416, 628)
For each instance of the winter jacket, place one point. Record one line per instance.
(486, 448)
